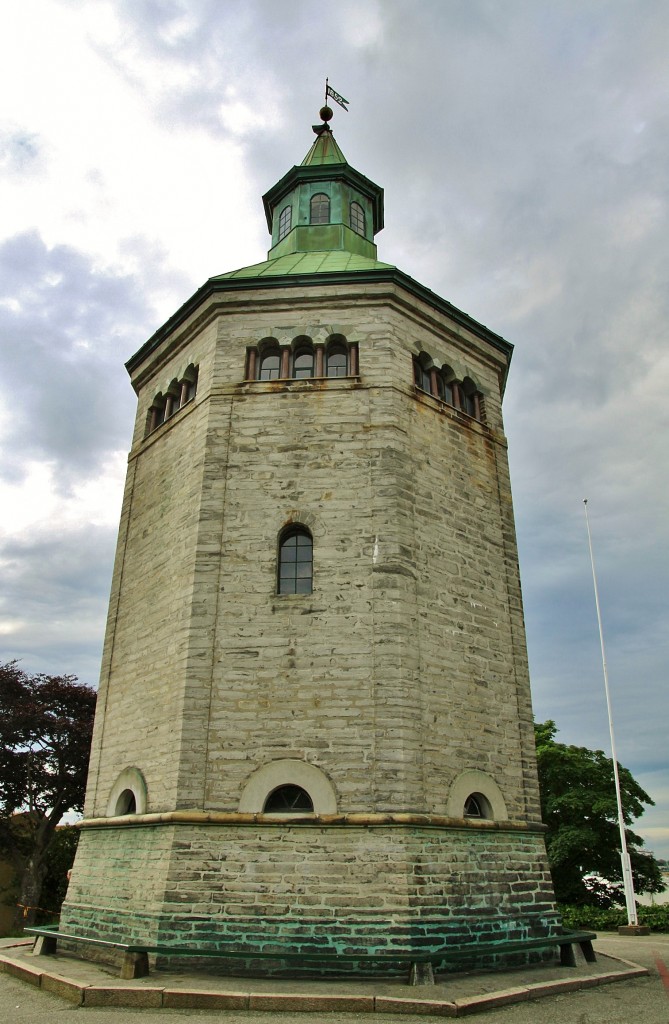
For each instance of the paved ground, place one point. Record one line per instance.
(643, 999)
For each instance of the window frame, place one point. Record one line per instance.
(285, 222)
(324, 203)
(356, 216)
(287, 582)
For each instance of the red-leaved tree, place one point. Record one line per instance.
(46, 724)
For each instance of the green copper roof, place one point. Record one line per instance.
(324, 151)
(307, 263)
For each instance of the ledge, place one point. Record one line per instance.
(378, 820)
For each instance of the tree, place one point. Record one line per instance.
(578, 804)
(46, 724)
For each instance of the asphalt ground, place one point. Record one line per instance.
(643, 999)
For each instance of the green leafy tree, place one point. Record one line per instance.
(578, 803)
(46, 725)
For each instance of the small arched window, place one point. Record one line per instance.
(422, 376)
(358, 219)
(270, 364)
(285, 221)
(303, 362)
(295, 569)
(126, 803)
(471, 399)
(476, 806)
(319, 209)
(288, 800)
(336, 360)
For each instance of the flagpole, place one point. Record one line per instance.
(628, 881)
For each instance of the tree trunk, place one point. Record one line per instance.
(33, 876)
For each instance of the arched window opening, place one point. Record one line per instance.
(295, 575)
(471, 399)
(156, 413)
(303, 362)
(422, 376)
(288, 800)
(358, 218)
(172, 399)
(336, 362)
(319, 209)
(270, 364)
(285, 221)
(476, 806)
(188, 385)
(126, 803)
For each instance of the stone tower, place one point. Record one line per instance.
(314, 726)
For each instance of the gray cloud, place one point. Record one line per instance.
(67, 328)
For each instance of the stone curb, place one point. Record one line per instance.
(138, 996)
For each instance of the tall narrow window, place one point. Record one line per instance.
(336, 361)
(358, 218)
(422, 377)
(285, 221)
(270, 363)
(319, 209)
(303, 363)
(296, 571)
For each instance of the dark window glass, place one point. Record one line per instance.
(287, 799)
(295, 563)
(447, 394)
(358, 218)
(285, 220)
(337, 361)
(270, 364)
(469, 404)
(319, 209)
(422, 377)
(303, 363)
(473, 807)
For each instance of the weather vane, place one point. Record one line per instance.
(326, 111)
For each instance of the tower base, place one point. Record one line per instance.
(311, 887)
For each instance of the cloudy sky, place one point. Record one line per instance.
(523, 148)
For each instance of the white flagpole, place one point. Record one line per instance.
(628, 882)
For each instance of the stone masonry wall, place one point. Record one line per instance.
(340, 888)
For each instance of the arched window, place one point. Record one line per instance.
(476, 806)
(319, 209)
(156, 413)
(449, 389)
(295, 570)
(285, 221)
(287, 800)
(126, 803)
(336, 360)
(303, 362)
(358, 218)
(421, 376)
(270, 364)
(471, 399)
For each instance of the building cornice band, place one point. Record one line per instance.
(358, 277)
(361, 820)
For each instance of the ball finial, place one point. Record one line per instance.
(325, 113)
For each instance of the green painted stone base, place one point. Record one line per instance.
(299, 889)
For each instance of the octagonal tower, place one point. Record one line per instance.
(314, 727)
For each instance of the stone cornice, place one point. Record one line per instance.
(389, 275)
(360, 820)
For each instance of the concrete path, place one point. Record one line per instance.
(35, 989)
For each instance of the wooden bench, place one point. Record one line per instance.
(136, 955)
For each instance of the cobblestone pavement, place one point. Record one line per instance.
(644, 999)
